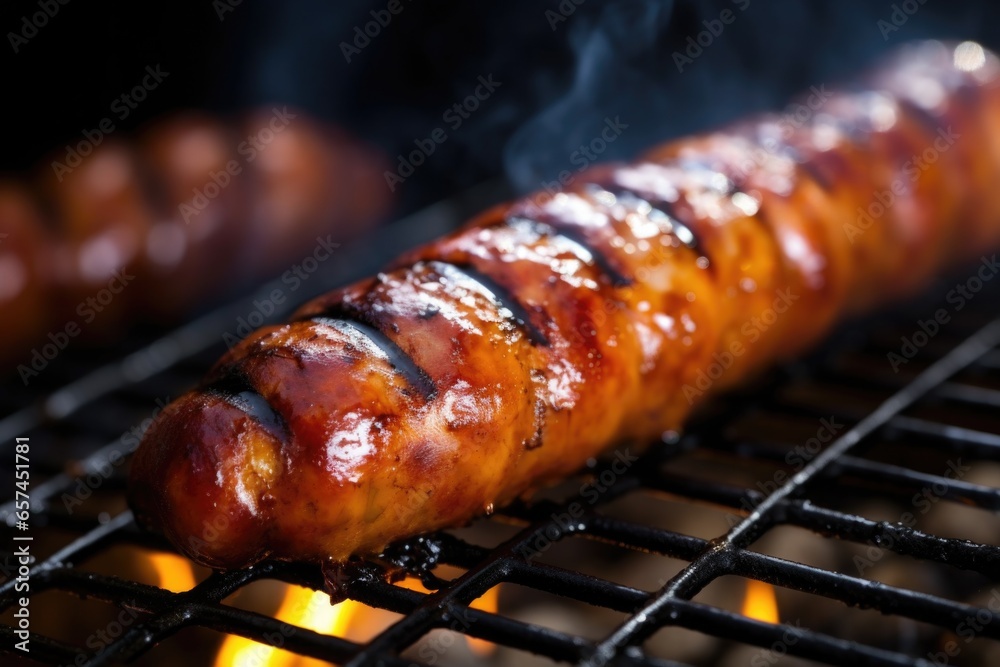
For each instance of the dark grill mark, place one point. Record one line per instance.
(501, 297)
(681, 231)
(234, 388)
(552, 226)
(805, 164)
(401, 361)
(813, 170)
(930, 122)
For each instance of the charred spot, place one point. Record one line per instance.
(429, 312)
(536, 439)
(535, 442)
(424, 459)
(539, 410)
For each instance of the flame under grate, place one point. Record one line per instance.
(957, 371)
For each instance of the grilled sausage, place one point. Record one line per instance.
(504, 355)
(183, 214)
(192, 235)
(24, 284)
(104, 221)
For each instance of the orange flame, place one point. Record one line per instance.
(351, 620)
(302, 607)
(760, 602)
(174, 572)
(488, 601)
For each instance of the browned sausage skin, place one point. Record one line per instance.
(25, 284)
(504, 355)
(180, 216)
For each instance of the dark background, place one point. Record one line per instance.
(558, 85)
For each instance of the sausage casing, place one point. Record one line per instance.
(506, 354)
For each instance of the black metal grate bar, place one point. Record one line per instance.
(718, 558)
(959, 369)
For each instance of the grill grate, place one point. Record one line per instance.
(959, 373)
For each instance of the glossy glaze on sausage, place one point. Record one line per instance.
(503, 356)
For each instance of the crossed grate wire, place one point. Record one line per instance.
(959, 369)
